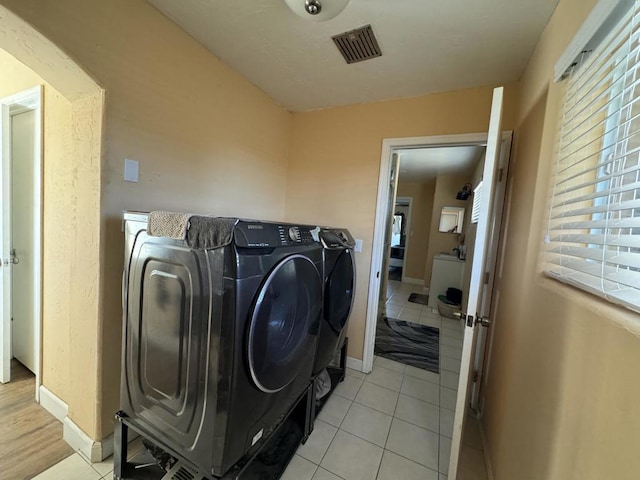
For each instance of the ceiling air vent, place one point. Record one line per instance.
(357, 45)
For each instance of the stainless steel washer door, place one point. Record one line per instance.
(284, 323)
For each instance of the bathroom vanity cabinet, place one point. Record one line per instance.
(447, 271)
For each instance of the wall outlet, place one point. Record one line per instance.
(358, 246)
(130, 170)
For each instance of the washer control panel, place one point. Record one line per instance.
(265, 234)
(295, 235)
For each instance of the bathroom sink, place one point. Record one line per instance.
(448, 256)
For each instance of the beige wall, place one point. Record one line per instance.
(447, 187)
(418, 236)
(56, 109)
(333, 174)
(71, 226)
(72, 109)
(207, 141)
(562, 392)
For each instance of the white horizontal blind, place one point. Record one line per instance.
(477, 197)
(594, 222)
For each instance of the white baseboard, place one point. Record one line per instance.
(92, 450)
(73, 435)
(354, 363)
(52, 404)
(106, 445)
(80, 441)
(413, 281)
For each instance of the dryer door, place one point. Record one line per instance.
(284, 323)
(339, 291)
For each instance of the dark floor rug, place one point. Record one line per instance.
(409, 343)
(395, 273)
(419, 298)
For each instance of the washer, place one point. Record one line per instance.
(339, 290)
(218, 345)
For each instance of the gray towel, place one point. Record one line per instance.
(168, 224)
(207, 233)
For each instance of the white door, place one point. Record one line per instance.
(5, 247)
(23, 316)
(482, 344)
(478, 269)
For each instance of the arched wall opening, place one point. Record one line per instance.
(71, 236)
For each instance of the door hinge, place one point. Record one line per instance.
(486, 278)
(475, 376)
(500, 174)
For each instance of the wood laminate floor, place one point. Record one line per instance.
(30, 437)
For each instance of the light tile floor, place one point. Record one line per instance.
(396, 422)
(78, 467)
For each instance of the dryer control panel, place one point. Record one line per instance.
(336, 238)
(250, 234)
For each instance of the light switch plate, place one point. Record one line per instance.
(130, 170)
(358, 246)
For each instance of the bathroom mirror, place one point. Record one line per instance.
(451, 219)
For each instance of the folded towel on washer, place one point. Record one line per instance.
(207, 233)
(168, 224)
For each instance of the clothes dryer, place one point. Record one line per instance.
(218, 344)
(339, 290)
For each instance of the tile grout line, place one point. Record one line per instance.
(389, 432)
(332, 439)
(418, 398)
(386, 441)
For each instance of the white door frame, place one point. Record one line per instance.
(31, 100)
(388, 147)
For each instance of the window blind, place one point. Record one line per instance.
(477, 197)
(593, 231)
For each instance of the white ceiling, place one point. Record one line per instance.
(422, 164)
(427, 46)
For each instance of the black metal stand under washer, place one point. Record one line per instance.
(268, 463)
(337, 374)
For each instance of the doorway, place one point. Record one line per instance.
(21, 232)
(429, 180)
(432, 171)
(444, 384)
(390, 170)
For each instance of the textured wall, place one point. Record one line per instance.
(333, 174)
(207, 141)
(56, 268)
(562, 392)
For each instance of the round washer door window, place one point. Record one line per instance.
(284, 323)
(339, 291)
